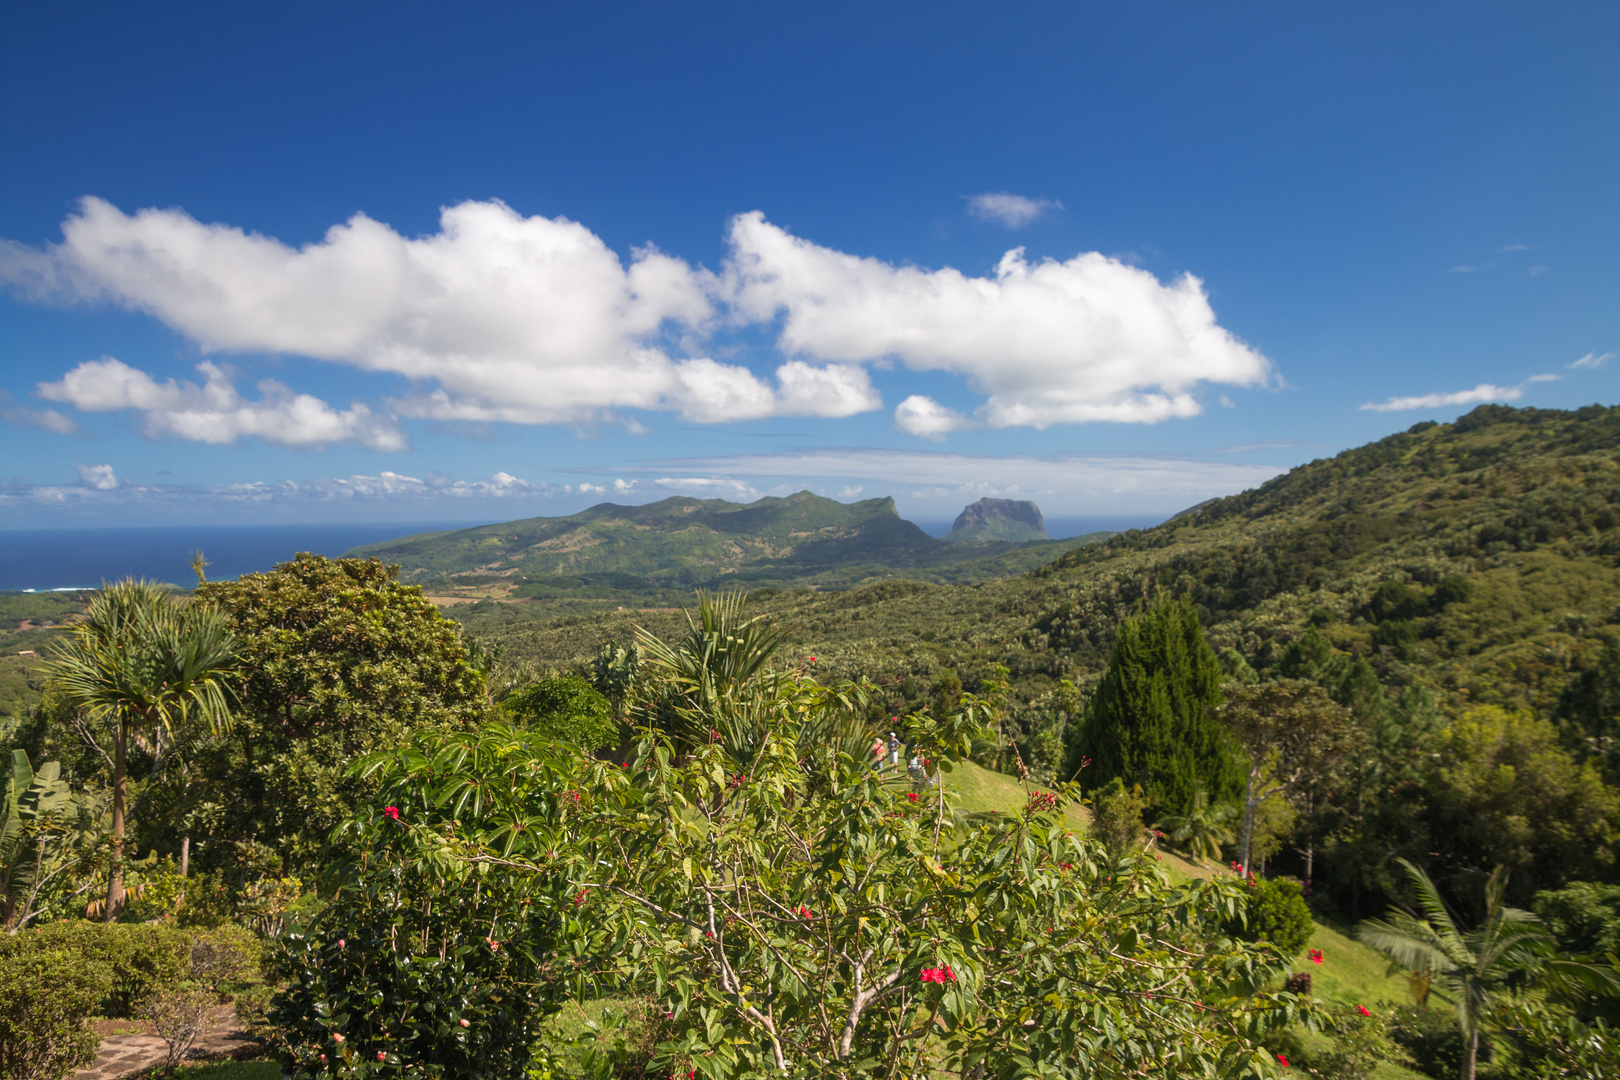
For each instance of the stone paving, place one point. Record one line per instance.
(131, 1051)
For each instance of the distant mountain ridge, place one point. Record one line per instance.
(681, 543)
(1015, 520)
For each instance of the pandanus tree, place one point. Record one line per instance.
(147, 664)
(716, 683)
(1508, 945)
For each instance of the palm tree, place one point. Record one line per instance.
(1202, 829)
(146, 663)
(1508, 943)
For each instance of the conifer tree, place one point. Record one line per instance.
(1151, 721)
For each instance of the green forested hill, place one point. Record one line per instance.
(664, 549)
(1513, 510)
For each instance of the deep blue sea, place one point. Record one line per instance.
(83, 558)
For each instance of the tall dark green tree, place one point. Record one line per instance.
(1151, 719)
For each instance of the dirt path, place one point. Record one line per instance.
(129, 1046)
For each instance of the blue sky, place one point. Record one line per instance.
(408, 262)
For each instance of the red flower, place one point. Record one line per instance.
(579, 897)
(381, 1056)
(391, 813)
(939, 975)
(806, 913)
(1316, 956)
(812, 659)
(1282, 1061)
(494, 946)
(912, 795)
(1362, 1009)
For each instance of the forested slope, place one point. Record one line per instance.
(1441, 569)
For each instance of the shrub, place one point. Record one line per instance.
(565, 708)
(48, 993)
(1431, 1040)
(443, 974)
(142, 960)
(178, 1014)
(1277, 913)
(227, 960)
(1117, 818)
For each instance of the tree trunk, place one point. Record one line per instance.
(115, 878)
(1471, 1056)
(1248, 824)
(185, 857)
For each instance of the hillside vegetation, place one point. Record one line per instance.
(659, 552)
(1426, 575)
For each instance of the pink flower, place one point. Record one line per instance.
(465, 1022)
(381, 1056)
(1316, 956)
(1362, 1009)
(342, 944)
(337, 1037)
(391, 813)
(494, 946)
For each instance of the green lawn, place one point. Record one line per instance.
(230, 1070)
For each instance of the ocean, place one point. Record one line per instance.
(43, 559)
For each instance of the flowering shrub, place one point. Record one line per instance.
(422, 965)
(798, 923)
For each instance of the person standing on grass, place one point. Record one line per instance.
(877, 754)
(894, 750)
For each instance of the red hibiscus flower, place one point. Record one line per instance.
(1316, 956)
(391, 813)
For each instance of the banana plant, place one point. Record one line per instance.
(36, 814)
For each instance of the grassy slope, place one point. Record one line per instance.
(1350, 972)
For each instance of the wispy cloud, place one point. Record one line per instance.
(1005, 208)
(43, 419)
(934, 481)
(1592, 360)
(1505, 248)
(1481, 393)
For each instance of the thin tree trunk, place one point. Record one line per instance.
(185, 856)
(1471, 1057)
(1248, 824)
(115, 879)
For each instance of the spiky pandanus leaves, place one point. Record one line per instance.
(717, 684)
(145, 662)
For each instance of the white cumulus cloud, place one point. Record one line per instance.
(100, 477)
(1049, 342)
(1013, 211)
(215, 412)
(502, 317)
(1481, 393)
(923, 416)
